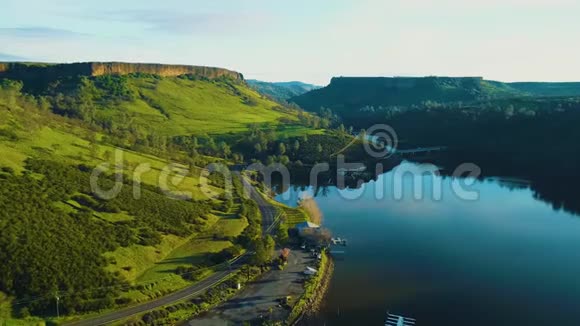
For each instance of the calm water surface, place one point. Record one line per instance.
(504, 259)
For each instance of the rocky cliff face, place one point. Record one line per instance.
(104, 68)
(52, 71)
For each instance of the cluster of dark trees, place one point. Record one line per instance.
(47, 250)
(265, 146)
(532, 138)
(524, 137)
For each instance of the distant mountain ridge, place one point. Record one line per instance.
(347, 95)
(548, 89)
(281, 90)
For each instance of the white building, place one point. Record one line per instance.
(307, 228)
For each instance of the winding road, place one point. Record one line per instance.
(268, 217)
(183, 294)
(266, 209)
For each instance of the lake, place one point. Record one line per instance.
(506, 258)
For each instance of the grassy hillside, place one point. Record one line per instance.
(60, 237)
(281, 90)
(171, 106)
(346, 93)
(352, 97)
(170, 222)
(178, 106)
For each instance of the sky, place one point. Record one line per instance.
(306, 40)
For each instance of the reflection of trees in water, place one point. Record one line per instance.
(300, 178)
(561, 192)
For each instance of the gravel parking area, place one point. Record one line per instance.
(262, 297)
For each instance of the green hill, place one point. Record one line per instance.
(59, 122)
(349, 96)
(201, 100)
(281, 90)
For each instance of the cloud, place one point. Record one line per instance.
(39, 32)
(185, 23)
(10, 57)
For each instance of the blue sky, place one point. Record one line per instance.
(310, 40)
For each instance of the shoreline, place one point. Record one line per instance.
(310, 304)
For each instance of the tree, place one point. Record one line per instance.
(282, 233)
(319, 148)
(225, 149)
(363, 134)
(296, 145)
(261, 255)
(281, 149)
(211, 145)
(93, 147)
(284, 159)
(269, 245)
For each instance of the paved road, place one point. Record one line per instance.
(261, 297)
(266, 209)
(189, 292)
(268, 215)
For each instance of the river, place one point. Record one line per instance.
(504, 258)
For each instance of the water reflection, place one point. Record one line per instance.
(499, 260)
(558, 191)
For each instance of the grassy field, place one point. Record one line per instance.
(178, 106)
(136, 263)
(56, 144)
(194, 251)
(162, 107)
(294, 216)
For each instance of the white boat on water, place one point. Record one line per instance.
(396, 320)
(338, 241)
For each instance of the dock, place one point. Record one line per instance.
(397, 320)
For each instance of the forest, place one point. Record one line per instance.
(50, 249)
(61, 240)
(525, 136)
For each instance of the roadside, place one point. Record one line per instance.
(268, 213)
(259, 300)
(264, 299)
(315, 291)
(263, 296)
(186, 293)
(267, 210)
